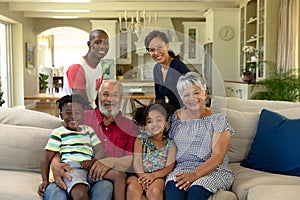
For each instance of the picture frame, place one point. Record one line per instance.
(29, 55)
(108, 68)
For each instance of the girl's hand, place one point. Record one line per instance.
(184, 180)
(42, 188)
(146, 179)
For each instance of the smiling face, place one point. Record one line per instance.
(72, 114)
(98, 44)
(155, 123)
(193, 97)
(110, 97)
(158, 50)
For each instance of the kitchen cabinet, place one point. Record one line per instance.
(237, 89)
(124, 44)
(258, 29)
(209, 20)
(194, 38)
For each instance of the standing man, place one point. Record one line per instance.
(117, 134)
(85, 77)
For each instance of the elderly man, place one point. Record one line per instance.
(117, 134)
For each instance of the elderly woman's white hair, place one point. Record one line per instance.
(189, 79)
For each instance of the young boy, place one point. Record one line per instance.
(75, 144)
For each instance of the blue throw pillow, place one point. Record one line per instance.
(276, 146)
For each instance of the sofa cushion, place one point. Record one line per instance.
(247, 105)
(274, 192)
(246, 178)
(276, 146)
(245, 125)
(21, 147)
(24, 117)
(19, 185)
(223, 195)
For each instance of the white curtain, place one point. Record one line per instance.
(287, 35)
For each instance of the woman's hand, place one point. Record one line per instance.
(184, 180)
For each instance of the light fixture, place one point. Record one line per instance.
(135, 24)
(43, 40)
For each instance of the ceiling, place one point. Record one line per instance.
(108, 9)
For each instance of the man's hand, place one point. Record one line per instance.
(98, 170)
(59, 170)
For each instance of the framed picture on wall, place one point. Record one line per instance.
(29, 54)
(108, 68)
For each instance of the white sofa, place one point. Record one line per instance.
(24, 134)
(253, 184)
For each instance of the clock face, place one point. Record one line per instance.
(226, 33)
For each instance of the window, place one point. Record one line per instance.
(5, 62)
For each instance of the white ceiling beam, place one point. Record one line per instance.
(118, 6)
(108, 14)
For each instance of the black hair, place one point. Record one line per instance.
(142, 112)
(77, 98)
(158, 34)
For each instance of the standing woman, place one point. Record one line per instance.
(202, 139)
(167, 70)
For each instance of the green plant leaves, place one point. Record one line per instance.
(281, 85)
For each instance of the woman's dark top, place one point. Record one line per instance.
(168, 89)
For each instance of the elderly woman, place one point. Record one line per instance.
(202, 138)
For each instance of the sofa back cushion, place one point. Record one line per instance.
(24, 134)
(24, 117)
(244, 105)
(21, 147)
(245, 126)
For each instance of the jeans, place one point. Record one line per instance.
(193, 193)
(100, 190)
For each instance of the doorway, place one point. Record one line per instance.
(58, 48)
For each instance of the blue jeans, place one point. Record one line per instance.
(100, 190)
(193, 193)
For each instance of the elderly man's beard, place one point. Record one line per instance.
(109, 113)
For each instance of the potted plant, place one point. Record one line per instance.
(251, 54)
(280, 85)
(43, 82)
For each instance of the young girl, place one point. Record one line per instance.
(154, 153)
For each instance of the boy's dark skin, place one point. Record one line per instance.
(72, 114)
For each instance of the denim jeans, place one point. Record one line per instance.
(100, 190)
(193, 193)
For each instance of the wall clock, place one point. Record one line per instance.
(226, 33)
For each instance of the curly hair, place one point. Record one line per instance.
(142, 112)
(77, 98)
